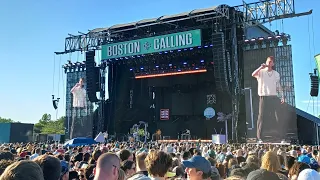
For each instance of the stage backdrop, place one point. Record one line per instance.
(287, 122)
(83, 119)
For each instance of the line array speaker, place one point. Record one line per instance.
(314, 86)
(92, 76)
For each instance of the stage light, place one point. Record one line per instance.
(157, 66)
(270, 37)
(171, 74)
(141, 68)
(170, 65)
(179, 50)
(179, 70)
(199, 47)
(160, 52)
(253, 39)
(138, 56)
(278, 36)
(185, 49)
(171, 51)
(185, 63)
(126, 58)
(165, 52)
(191, 48)
(202, 61)
(197, 68)
(206, 46)
(121, 58)
(247, 40)
(131, 69)
(117, 59)
(211, 45)
(260, 38)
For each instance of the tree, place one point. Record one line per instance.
(48, 126)
(5, 120)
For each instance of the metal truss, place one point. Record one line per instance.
(248, 14)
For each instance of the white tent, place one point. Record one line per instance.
(100, 138)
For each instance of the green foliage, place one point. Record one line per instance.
(48, 126)
(5, 120)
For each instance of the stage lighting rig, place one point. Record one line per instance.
(266, 42)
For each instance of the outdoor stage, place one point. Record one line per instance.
(187, 71)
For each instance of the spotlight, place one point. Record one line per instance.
(211, 45)
(185, 63)
(197, 68)
(199, 47)
(157, 66)
(278, 36)
(202, 61)
(179, 50)
(247, 40)
(160, 52)
(253, 39)
(179, 70)
(260, 38)
(191, 48)
(165, 52)
(141, 68)
(131, 69)
(185, 49)
(206, 46)
(170, 65)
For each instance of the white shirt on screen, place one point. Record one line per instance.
(79, 97)
(267, 82)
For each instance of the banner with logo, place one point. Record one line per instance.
(166, 42)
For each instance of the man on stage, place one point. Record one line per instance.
(157, 136)
(268, 118)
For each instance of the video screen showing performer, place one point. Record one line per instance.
(79, 105)
(79, 94)
(269, 120)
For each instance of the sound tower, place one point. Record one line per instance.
(314, 85)
(92, 77)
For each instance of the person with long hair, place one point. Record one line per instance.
(270, 163)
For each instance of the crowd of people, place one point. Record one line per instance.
(158, 161)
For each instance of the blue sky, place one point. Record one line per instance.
(32, 30)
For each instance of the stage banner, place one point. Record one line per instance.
(149, 45)
(317, 58)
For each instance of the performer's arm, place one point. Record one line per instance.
(256, 72)
(74, 87)
(280, 90)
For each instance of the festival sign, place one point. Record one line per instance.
(149, 45)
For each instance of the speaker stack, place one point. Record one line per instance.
(92, 76)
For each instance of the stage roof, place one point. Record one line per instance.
(159, 19)
(307, 116)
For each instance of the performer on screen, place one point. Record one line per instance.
(268, 81)
(79, 94)
(79, 102)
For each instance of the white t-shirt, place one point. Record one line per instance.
(267, 82)
(79, 97)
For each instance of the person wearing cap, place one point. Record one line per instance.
(197, 168)
(64, 170)
(262, 174)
